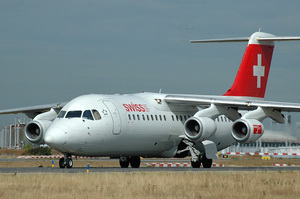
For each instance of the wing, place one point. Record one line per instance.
(232, 102)
(230, 106)
(32, 111)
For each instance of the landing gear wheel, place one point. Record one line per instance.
(69, 163)
(62, 163)
(206, 162)
(196, 164)
(135, 161)
(124, 162)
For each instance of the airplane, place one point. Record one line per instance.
(131, 126)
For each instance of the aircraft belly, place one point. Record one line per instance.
(152, 139)
(124, 147)
(134, 142)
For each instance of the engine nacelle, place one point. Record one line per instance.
(35, 131)
(247, 130)
(199, 128)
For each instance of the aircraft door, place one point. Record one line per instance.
(115, 117)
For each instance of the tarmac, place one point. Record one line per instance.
(144, 169)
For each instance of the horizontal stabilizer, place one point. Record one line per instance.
(279, 39)
(244, 39)
(221, 40)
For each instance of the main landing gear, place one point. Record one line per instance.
(66, 161)
(134, 161)
(196, 159)
(206, 163)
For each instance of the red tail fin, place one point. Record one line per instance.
(252, 77)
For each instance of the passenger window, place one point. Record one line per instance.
(156, 117)
(160, 117)
(73, 114)
(96, 114)
(143, 117)
(148, 117)
(152, 117)
(133, 116)
(173, 117)
(138, 117)
(87, 115)
(61, 114)
(165, 118)
(129, 117)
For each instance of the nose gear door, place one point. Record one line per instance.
(115, 117)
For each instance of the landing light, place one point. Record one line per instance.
(158, 101)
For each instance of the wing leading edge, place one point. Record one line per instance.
(232, 102)
(32, 111)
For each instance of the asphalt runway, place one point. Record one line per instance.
(143, 169)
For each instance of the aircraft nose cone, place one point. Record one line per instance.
(49, 139)
(55, 137)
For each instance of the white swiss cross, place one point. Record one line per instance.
(259, 70)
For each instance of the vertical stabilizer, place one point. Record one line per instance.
(252, 77)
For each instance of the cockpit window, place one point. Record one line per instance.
(96, 114)
(87, 115)
(61, 114)
(73, 114)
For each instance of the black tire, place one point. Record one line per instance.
(124, 162)
(69, 163)
(135, 161)
(62, 163)
(207, 163)
(196, 164)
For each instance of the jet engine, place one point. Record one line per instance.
(199, 128)
(247, 130)
(35, 131)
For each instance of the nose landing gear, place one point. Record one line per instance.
(66, 161)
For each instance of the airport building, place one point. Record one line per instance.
(13, 136)
(277, 138)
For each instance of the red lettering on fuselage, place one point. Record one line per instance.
(136, 107)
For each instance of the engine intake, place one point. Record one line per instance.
(35, 131)
(247, 130)
(199, 128)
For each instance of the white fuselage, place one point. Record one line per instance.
(130, 125)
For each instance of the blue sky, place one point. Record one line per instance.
(53, 51)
